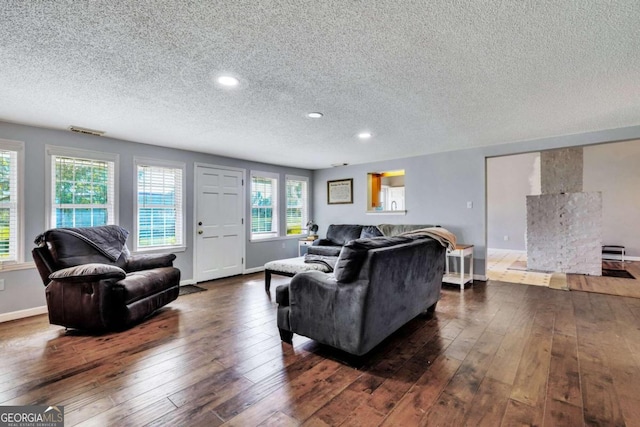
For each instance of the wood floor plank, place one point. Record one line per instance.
(600, 400)
(630, 411)
(564, 372)
(385, 397)
(201, 404)
(448, 411)
(235, 405)
(380, 366)
(521, 414)
(283, 397)
(279, 419)
(489, 404)
(321, 393)
(417, 402)
(530, 384)
(562, 414)
(128, 400)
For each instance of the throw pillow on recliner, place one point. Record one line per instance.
(88, 273)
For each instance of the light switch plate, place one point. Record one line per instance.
(1, 284)
(469, 205)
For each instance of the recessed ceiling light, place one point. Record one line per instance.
(315, 115)
(365, 135)
(228, 81)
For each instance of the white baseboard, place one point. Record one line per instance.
(515, 251)
(187, 282)
(480, 278)
(253, 270)
(21, 314)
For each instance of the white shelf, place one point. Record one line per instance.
(461, 252)
(455, 278)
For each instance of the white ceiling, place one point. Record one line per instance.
(423, 76)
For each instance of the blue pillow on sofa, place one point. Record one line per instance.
(369, 231)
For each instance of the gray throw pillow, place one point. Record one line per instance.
(349, 262)
(354, 253)
(88, 273)
(369, 231)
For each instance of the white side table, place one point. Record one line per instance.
(302, 243)
(462, 252)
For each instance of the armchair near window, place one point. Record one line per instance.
(94, 283)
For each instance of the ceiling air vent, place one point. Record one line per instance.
(86, 131)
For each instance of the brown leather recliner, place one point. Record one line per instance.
(94, 283)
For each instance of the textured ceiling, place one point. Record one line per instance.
(422, 76)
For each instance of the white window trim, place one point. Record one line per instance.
(255, 237)
(18, 147)
(304, 226)
(52, 150)
(164, 164)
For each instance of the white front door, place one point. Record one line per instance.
(219, 223)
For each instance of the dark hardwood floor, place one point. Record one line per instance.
(496, 354)
(609, 285)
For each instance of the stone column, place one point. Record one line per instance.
(564, 224)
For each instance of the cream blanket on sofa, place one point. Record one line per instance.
(442, 235)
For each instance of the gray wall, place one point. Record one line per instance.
(438, 187)
(614, 169)
(24, 290)
(510, 179)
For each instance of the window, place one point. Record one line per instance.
(83, 188)
(159, 204)
(386, 192)
(10, 236)
(297, 204)
(264, 205)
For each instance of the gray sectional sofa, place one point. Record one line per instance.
(378, 285)
(339, 234)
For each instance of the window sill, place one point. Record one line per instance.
(276, 238)
(17, 266)
(160, 250)
(386, 212)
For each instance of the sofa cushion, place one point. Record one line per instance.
(141, 284)
(324, 250)
(88, 273)
(353, 254)
(340, 234)
(148, 261)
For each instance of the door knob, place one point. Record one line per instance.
(200, 231)
(200, 223)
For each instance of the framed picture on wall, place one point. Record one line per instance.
(340, 191)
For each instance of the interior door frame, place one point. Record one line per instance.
(197, 165)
